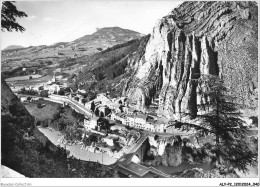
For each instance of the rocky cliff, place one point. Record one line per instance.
(175, 150)
(12, 109)
(196, 38)
(167, 151)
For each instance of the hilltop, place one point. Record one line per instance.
(104, 38)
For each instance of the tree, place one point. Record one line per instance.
(97, 112)
(39, 105)
(44, 93)
(61, 92)
(222, 119)
(92, 106)
(8, 17)
(67, 89)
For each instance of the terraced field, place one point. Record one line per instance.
(26, 77)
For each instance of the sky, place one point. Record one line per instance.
(49, 22)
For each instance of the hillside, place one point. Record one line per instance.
(11, 47)
(105, 71)
(104, 38)
(45, 59)
(27, 151)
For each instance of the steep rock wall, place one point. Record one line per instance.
(169, 150)
(218, 38)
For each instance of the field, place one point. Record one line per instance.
(26, 77)
(46, 112)
(49, 110)
(31, 82)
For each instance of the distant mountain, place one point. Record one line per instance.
(105, 37)
(61, 52)
(10, 47)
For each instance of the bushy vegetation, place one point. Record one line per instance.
(67, 121)
(87, 141)
(28, 92)
(44, 93)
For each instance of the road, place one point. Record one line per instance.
(133, 148)
(61, 99)
(80, 108)
(75, 105)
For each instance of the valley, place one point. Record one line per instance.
(180, 102)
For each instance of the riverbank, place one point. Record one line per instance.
(76, 150)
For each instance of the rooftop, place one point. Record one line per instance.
(162, 121)
(95, 118)
(142, 116)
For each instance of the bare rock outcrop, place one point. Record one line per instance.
(169, 150)
(196, 38)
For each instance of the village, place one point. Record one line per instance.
(111, 125)
(114, 131)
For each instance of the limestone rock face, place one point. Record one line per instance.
(218, 38)
(173, 154)
(169, 150)
(159, 145)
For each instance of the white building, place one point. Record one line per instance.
(109, 141)
(150, 124)
(120, 117)
(140, 121)
(54, 88)
(114, 106)
(81, 91)
(38, 88)
(23, 99)
(91, 124)
(103, 98)
(130, 120)
(88, 105)
(161, 125)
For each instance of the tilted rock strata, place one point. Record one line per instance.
(218, 38)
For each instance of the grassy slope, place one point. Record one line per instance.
(46, 112)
